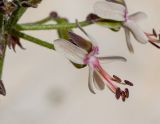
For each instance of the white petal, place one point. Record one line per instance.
(98, 81)
(110, 10)
(117, 1)
(136, 31)
(71, 51)
(128, 40)
(137, 16)
(90, 80)
(110, 59)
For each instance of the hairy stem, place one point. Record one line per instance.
(50, 26)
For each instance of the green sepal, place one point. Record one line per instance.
(113, 25)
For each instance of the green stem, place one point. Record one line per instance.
(50, 26)
(2, 58)
(63, 32)
(15, 17)
(1, 43)
(33, 39)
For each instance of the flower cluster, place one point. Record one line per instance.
(81, 52)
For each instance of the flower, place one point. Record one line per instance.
(7, 7)
(116, 10)
(82, 51)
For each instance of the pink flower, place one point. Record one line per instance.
(81, 51)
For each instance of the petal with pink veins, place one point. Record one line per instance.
(71, 51)
(118, 1)
(110, 10)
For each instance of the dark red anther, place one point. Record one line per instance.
(128, 83)
(116, 78)
(126, 93)
(123, 95)
(118, 93)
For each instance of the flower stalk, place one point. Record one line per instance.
(24, 27)
(33, 39)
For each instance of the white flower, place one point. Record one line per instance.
(81, 51)
(115, 11)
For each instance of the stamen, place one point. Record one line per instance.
(128, 83)
(126, 93)
(123, 95)
(118, 93)
(116, 79)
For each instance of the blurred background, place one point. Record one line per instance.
(44, 88)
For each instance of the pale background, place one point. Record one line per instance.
(44, 88)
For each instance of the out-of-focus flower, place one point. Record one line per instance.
(116, 10)
(12, 41)
(82, 51)
(7, 7)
